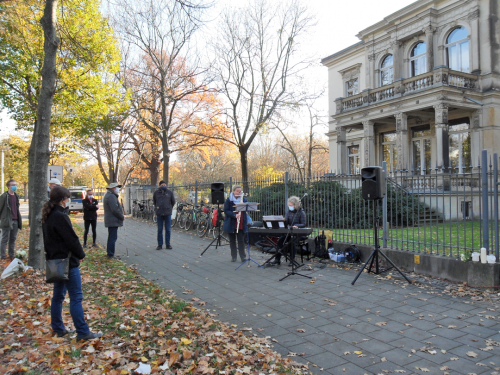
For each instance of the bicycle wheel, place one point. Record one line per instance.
(189, 221)
(174, 220)
(153, 217)
(202, 227)
(183, 219)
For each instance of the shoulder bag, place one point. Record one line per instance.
(57, 270)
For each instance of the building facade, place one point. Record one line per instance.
(421, 90)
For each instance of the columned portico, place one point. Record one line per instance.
(341, 150)
(369, 143)
(442, 141)
(402, 140)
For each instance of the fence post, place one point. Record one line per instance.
(484, 183)
(384, 209)
(286, 189)
(196, 192)
(495, 203)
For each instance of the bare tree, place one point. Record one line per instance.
(167, 92)
(256, 60)
(111, 146)
(39, 154)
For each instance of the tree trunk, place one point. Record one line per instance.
(166, 160)
(154, 170)
(244, 167)
(309, 156)
(39, 153)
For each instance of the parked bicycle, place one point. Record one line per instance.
(194, 217)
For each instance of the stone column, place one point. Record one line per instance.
(341, 150)
(372, 82)
(429, 40)
(475, 134)
(402, 145)
(474, 41)
(369, 143)
(396, 52)
(442, 139)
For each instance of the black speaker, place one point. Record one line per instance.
(373, 184)
(217, 192)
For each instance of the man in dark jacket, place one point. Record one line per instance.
(90, 207)
(10, 219)
(113, 216)
(163, 201)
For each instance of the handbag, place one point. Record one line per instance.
(57, 270)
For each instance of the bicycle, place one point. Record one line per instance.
(176, 218)
(192, 219)
(186, 212)
(151, 211)
(205, 221)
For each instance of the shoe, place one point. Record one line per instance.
(158, 247)
(168, 247)
(89, 336)
(275, 263)
(64, 333)
(94, 245)
(84, 245)
(233, 260)
(110, 256)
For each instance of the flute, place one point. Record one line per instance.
(238, 223)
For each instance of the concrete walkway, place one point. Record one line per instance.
(377, 326)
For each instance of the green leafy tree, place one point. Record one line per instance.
(57, 62)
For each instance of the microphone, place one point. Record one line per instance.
(305, 195)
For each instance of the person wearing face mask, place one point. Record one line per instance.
(60, 241)
(10, 219)
(90, 207)
(163, 201)
(231, 221)
(295, 218)
(113, 216)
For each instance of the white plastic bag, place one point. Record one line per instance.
(13, 267)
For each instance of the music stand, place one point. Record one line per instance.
(247, 207)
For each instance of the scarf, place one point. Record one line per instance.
(233, 199)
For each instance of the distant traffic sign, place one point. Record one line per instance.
(55, 171)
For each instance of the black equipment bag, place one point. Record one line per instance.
(352, 254)
(320, 250)
(57, 270)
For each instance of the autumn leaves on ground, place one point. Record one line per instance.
(143, 325)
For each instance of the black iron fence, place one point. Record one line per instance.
(437, 211)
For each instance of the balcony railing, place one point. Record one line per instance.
(438, 77)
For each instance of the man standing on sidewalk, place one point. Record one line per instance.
(90, 207)
(163, 201)
(113, 216)
(10, 219)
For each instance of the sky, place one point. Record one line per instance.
(337, 23)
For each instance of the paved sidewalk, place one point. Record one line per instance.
(378, 326)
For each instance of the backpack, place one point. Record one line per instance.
(320, 250)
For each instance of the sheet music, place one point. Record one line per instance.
(281, 224)
(273, 218)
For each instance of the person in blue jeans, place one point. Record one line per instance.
(163, 201)
(61, 241)
(113, 216)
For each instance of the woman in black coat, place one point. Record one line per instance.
(60, 241)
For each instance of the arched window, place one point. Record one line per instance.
(386, 70)
(457, 50)
(418, 59)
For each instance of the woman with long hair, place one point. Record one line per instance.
(60, 240)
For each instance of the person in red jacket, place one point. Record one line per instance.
(90, 207)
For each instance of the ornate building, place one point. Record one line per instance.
(421, 90)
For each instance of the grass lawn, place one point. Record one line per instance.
(142, 324)
(450, 239)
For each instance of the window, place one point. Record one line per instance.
(387, 71)
(389, 149)
(460, 146)
(457, 50)
(76, 195)
(418, 59)
(353, 153)
(352, 87)
(422, 150)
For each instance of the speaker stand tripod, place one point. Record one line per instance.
(374, 256)
(217, 239)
